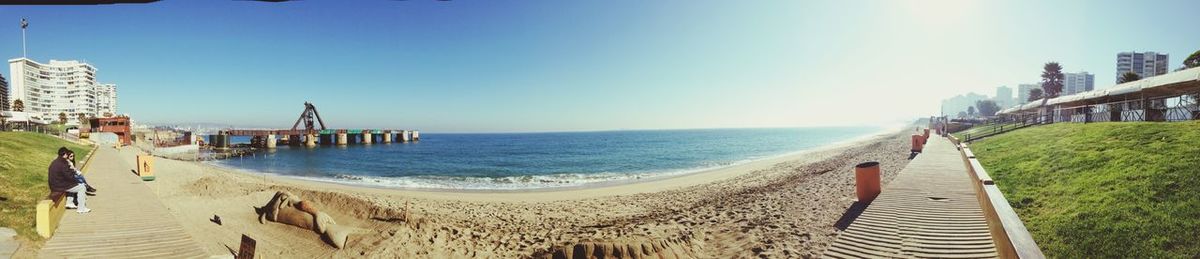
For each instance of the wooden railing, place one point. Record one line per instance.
(1008, 231)
(1001, 125)
(51, 209)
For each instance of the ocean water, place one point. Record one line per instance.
(538, 160)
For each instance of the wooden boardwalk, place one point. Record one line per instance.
(127, 219)
(929, 211)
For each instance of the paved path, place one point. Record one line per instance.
(929, 210)
(8, 242)
(127, 219)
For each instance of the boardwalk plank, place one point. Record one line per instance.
(127, 220)
(929, 210)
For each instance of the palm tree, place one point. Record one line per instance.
(1192, 60)
(62, 118)
(1052, 80)
(18, 105)
(1129, 77)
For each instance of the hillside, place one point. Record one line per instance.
(1110, 190)
(24, 159)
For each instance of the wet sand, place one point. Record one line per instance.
(778, 207)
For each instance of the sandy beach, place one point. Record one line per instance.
(778, 207)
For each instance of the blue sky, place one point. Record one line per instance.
(500, 66)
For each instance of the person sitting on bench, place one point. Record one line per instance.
(79, 177)
(61, 178)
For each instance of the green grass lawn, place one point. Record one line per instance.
(24, 159)
(1103, 190)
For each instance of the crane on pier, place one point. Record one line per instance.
(310, 132)
(310, 112)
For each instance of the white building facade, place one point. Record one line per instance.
(1004, 97)
(1074, 83)
(106, 100)
(1145, 64)
(1023, 92)
(48, 90)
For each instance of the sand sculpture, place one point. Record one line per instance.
(287, 208)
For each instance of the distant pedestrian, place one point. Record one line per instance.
(61, 178)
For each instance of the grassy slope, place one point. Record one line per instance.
(24, 159)
(1112, 190)
(982, 130)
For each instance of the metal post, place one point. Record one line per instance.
(23, 38)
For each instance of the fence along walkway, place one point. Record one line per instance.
(929, 210)
(127, 219)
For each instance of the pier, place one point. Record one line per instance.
(311, 136)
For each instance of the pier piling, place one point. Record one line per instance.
(310, 135)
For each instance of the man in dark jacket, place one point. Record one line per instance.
(62, 179)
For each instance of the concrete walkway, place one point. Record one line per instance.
(930, 211)
(127, 219)
(8, 242)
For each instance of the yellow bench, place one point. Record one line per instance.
(50, 210)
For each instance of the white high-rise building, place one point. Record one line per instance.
(1003, 97)
(106, 100)
(1074, 83)
(1023, 92)
(1145, 64)
(69, 87)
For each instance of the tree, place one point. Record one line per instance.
(971, 110)
(1052, 80)
(987, 107)
(1035, 94)
(18, 105)
(83, 120)
(1129, 77)
(62, 118)
(962, 114)
(108, 114)
(1193, 60)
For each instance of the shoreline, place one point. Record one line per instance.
(783, 206)
(707, 174)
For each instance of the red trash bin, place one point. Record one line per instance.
(866, 181)
(918, 143)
